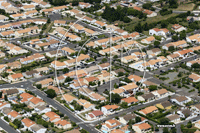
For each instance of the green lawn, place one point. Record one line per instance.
(2, 82)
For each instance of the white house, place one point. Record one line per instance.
(159, 32)
(181, 100)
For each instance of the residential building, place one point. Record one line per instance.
(141, 128)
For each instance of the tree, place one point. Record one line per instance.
(126, 19)
(164, 121)
(180, 74)
(137, 119)
(173, 130)
(48, 20)
(124, 105)
(164, 24)
(65, 70)
(175, 37)
(152, 87)
(51, 93)
(182, 35)
(115, 98)
(5, 98)
(1, 94)
(165, 130)
(138, 28)
(189, 124)
(104, 60)
(68, 79)
(120, 74)
(43, 14)
(171, 48)
(39, 86)
(156, 44)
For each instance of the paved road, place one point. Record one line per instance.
(6, 127)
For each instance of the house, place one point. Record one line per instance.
(9, 33)
(194, 77)
(4, 105)
(121, 32)
(196, 108)
(136, 78)
(129, 58)
(77, 84)
(178, 28)
(6, 110)
(104, 66)
(67, 51)
(175, 118)
(30, 74)
(149, 110)
(31, 13)
(121, 92)
(159, 32)
(51, 116)
(86, 105)
(129, 100)
(68, 98)
(73, 131)
(38, 129)
(116, 72)
(28, 7)
(197, 125)
(27, 123)
(16, 77)
(31, 58)
(178, 44)
(35, 101)
(108, 109)
(148, 40)
(54, 53)
(164, 105)
(76, 74)
(185, 113)
(63, 124)
(141, 128)
(110, 125)
(160, 93)
(150, 13)
(155, 51)
(59, 22)
(100, 24)
(3, 18)
(88, 80)
(42, 70)
(92, 69)
(12, 92)
(180, 100)
(14, 115)
(130, 87)
(46, 82)
(190, 63)
(173, 57)
(126, 118)
(18, 16)
(146, 97)
(58, 65)
(25, 97)
(184, 53)
(83, 5)
(193, 39)
(132, 36)
(40, 109)
(2, 68)
(59, 8)
(96, 114)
